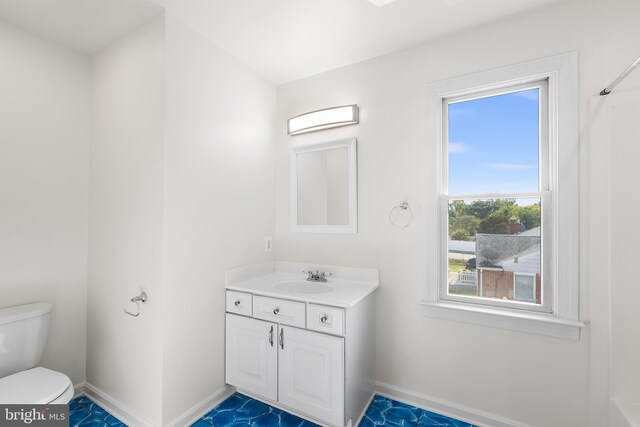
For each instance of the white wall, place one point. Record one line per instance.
(44, 143)
(181, 189)
(218, 204)
(125, 237)
(614, 131)
(625, 292)
(533, 380)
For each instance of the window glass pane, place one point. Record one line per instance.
(491, 243)
(493, 144)
(524, 287)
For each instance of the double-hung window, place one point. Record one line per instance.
(495, 191)
(503, 246)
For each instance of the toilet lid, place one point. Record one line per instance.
(34, 386)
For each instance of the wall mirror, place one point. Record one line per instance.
(324, 187)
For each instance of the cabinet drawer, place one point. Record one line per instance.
(279, 310)
(239, 303)
(325, 319)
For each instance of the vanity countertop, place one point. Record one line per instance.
(335, 292)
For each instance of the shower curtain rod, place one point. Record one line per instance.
(607, 90)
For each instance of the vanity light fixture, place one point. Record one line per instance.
(323, 119)
(380, 2)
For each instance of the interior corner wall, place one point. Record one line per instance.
(124, 354)
(530, 379)
(218, 204)
(44, 169)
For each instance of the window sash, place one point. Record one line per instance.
(545, 257)
(544, 194)
(543, 127)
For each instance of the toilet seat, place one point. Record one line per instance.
(65, 397)
(36, 386)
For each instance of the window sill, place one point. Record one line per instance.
(533, 323)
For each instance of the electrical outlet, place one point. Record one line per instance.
(268, 244)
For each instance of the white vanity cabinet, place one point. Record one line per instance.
(311, 373)
(252, 355)
(313, 359)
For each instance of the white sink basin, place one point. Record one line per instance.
(302, 287)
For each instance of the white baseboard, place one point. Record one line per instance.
(116, 408)
(195, 413)
(131, 417)
(440, 406)
(78, 390)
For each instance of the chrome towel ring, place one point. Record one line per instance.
(401, 215)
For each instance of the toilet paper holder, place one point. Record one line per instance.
(137, 299)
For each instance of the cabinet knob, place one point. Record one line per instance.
(236, 303)
(276, 310)
(324, 318)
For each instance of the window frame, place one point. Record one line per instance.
(562, 320)
(543, 193)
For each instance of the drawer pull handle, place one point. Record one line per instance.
(237, 303)
(276, 310)
(282, 338)
(271, 336)
(324, 318)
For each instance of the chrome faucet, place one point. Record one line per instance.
(318, 276)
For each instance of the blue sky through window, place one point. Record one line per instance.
(494, 144)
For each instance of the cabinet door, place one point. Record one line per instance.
(311, 373)
(252, 355)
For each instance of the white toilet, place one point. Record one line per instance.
(23, 334)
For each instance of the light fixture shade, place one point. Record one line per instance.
(380, 2)
(323, 119)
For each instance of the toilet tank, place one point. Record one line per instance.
(23, 334)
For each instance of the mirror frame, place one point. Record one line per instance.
(352, 226)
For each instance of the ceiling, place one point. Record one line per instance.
(283, 40)
(286, 40)
(83, 25)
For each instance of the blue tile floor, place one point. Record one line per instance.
(84, 413)
(240, 410)
(386, 412)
